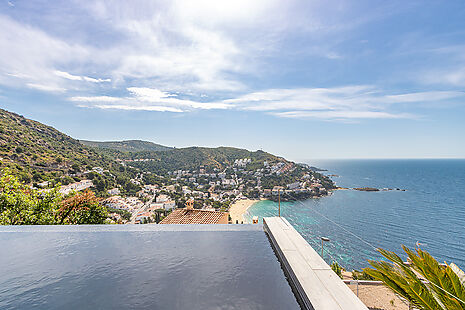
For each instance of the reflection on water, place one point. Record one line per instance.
(141, 269)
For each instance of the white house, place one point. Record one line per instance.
(162, 198)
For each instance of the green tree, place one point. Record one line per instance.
(422, 281)
(337, 269)
(21, 205)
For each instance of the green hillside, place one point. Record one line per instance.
(27, 146)
(36, 152)
(193, 157)
(127, 146)
(189, 158)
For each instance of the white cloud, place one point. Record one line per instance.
(132, 107)
(72, 77)
(341, 115)
(338, 103)
(350, 102)
(451, 77)
(148, 99)
(47, 88)
(95, 99)
(28, 56)
(422, 96)
(202, 48)
(157, 96)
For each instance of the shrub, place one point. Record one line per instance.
(337, 269)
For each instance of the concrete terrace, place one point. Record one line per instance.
(315, 284)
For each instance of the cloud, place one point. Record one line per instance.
(148, 99)
(129, 107)
(341, 115)
(69, 76)
(174, 45)
(349, 102)
(446, 68)
(47, 88)
(95, 99)
(338, 103)
(451, 77)
(180, 56)
(422, 96)
(29, 55)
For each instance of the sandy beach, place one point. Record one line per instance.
(238, 208)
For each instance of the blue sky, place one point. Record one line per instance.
(302, 79)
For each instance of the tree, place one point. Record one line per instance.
(422, 281)
(75, 167)
(81, 208)
(337, 269)
(21, 205)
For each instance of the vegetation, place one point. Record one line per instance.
(279, 180)
(42, 159)
(337, 269)
(35, 153)
(81, 208)
(125, 215)
(363, 275)
(127, 146)
(21, 205)
(424, 282)
(192, 158)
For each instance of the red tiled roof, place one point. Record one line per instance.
(184, 216)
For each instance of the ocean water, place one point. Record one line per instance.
(431, 211)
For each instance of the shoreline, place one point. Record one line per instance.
(239, 208)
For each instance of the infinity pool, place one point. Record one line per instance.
(140, 267)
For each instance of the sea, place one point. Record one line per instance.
(427, 212)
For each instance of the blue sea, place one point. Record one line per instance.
(430, 211)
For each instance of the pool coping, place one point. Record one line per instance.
(317, 287)
(128, 228)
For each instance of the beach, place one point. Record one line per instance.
(238, 208)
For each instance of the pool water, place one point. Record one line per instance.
(141, 267)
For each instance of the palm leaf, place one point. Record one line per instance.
(424, 283)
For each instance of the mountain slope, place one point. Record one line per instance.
(37, 152)
(193, 157)
(127, 146)
(27, 146)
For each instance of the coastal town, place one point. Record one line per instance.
(230, 190)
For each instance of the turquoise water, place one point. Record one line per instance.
(430, 211)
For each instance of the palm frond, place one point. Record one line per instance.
(424, 282)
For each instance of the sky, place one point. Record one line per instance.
(300, 79)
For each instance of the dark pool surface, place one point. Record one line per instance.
(140, 267)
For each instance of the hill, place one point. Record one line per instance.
(127, 146)
(39, 152)
(27, 146)
(36, 152)
(192, 158)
